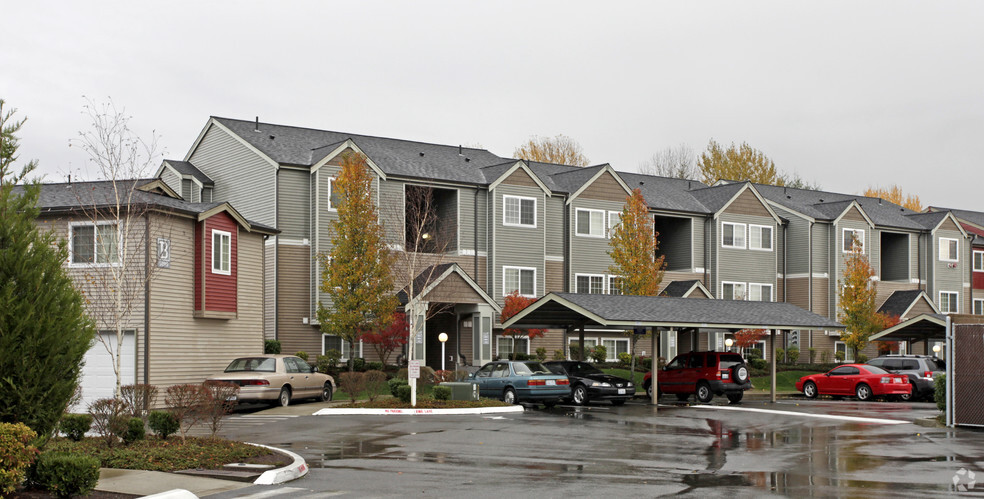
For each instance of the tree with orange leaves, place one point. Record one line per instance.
(633, 250)
(895, 195)
(747, 338)
(856, 300)
(515, 303)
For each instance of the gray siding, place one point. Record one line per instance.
(589, 255)
(294, 210)
(746, 265)
(797, 243)
(556, 205)
(187, 188)
(173, 180)
(699, 225)
(241, 176)
(391, 209)
(947, 278)
(517, 246)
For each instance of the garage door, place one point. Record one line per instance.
(98, 379)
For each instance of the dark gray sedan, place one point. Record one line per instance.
(590, 383)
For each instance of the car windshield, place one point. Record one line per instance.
(729, 359)
(875, 369)
(529, 368)
(582, 369)
(249, 364)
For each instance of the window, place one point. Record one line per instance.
(613, 347)
(760, 292)
(94, 243)
(978, 306)
(614, 218)
(948, 302)
(221, 252)
(840, 346)
(519, 278)
(762, 348)
(519, 211)
(948, 249)
(507, 345)
(573, 346)
(760, 237)
(979, 261)
(593, 284)
(732, 291)
(329, 342)
(333, 199)
(590, 223)
(733, 235)
(852, 237)
(614, 285)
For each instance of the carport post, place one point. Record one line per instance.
(772, 355)
(580, 342)
(655, 369)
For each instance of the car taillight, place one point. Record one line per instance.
(928, 374)
(723, 374)
(536, 382)
(563, 381)
(254, 382)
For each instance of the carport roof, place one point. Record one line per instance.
(919, 328)
(561, 310)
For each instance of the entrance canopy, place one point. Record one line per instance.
(920, 328)
(563, 310)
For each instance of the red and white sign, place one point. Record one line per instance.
(413, 369)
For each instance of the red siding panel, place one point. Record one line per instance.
(220, 289)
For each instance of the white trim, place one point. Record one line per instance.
(848, 354)
(744, 288)
(340, 149)
(520, 165)
(981, 253)
(519, 278)
(816, 275)
(95, 245)
(601, 171)
(611, 227)
(611, 355)
(223, 235)
(513, 344)
(520, 199)
(772, 232)
(860, 210)
(974, 309)
(744, 235)
(748, 187)
(551, 258)
(844, 239)
(293, 242)
(956, 249)
(608, 283)
(331, 187)
(954, 307)
(698, 270)
(760, 286)
(463, 252)
(589, 276)
(591, 212)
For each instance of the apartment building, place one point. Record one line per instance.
(534, 227)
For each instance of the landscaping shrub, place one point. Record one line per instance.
(758, 363)
(813, 354)
(271, 346)
(461, 375)
(521, 356)
(358, 364)
(303, 355)
(16, 454)
(575, 351)
(753, 353)
(375, 383)
(780, 356)
(839, 356)
(374, 366)
(558, 355)
(186, 402)
(792, 355)
(135, 430)
(163, 423)
(541, 354)
(74, 426)
(939, 392)
(395, 384)
(861, 359)
(109, 417)
(824, 357)
(352, 383)
(220, 399)
(327, 363)
(66, 475)
(426, 375)
(599, 353)
(138, 398)
(443, 376)
(442, 392)
(646, 363)
(403, 393)
(624, 359)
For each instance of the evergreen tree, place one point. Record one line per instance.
(356, 272)
(44, 330)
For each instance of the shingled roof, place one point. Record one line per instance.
(186, 168)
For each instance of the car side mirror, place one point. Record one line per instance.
(471, 376)
(314, 369)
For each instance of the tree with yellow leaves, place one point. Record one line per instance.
(741, 162)
(633, 250)
(856, 300)
(894, 194)
(560, 150)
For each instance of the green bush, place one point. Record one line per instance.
(780, 356)
(271, 346)
(839, 356)
(134, 431)
(374, 366)
(403, 393)
(395, 384)
(16, 454)
(163, 423)
(442, 392)
(303, 355)
(647, 363)
(624, 359)
(541, 354)
(426, 375)
(359, 364)
(813, 354)
(521, 356)
(939, 392)
(861, 359)
(824, 357)
(792, 355)
(325, 363)
(66, 475)
(599, 353)
(753, 353)
(558, 355)
(758, 363)
(74, 426)
(575, 351)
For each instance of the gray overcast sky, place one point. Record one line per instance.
(847, 94)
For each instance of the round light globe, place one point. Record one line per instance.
(442, 337)
(936, 349)
(728, 342)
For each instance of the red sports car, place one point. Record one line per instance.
(861, 380)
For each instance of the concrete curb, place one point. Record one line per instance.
(414, 412)
(172, 494)
(290, 472)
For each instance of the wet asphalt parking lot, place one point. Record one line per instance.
(795, 447)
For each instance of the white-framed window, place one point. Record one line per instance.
(732, 235)
(840, 346)
(590, 223)
(507, 345)
(759, 292)
(761, 345)
(760, 237)
(589, 283)
(733, 291)
(949, 249)
(978, 306)
(333, 198)
(614, 218)
(849, 241)
(614, 346)
(518, 211)
(93, 244)
(588, 343)
(614, 285)
(221, 252)
(949, 302)
(978, 261)
(521, 278)
(329, 342)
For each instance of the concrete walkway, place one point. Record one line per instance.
(144, 483)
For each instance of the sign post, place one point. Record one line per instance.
(413, 372)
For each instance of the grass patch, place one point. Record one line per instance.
(624, 373)
(785, 381)
(166, 455)
(426, 403)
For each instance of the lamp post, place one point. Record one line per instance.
(936, 350)
(728, 342)
(443, 337)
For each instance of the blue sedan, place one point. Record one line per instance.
(521, 381)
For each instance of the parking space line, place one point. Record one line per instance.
(804, 414)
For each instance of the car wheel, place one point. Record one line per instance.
(863, 392)
(326, 393)
(580, 395)
(810, 390)
(704, 393)
(682, 397)
(284, 399)
(909, 397)
(509, 396)
(618, 402)
(735, 397)
(740, 374)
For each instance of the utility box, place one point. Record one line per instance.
(462, 391)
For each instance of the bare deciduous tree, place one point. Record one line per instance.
(674, 162)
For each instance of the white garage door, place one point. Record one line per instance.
(98, 380)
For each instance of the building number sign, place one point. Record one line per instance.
(163, 253)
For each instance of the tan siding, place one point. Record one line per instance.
(454, 289)
(920, 307)
(886, 288)
(748, 204)
(821, 287)
(520, 177)
(798, 292)
(552, 339)
(853, 214)
(269, 291)
(949, 225)
(605, 188)
(293, 300)
(553, 277)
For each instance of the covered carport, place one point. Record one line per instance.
(575, 312)
(921, 328)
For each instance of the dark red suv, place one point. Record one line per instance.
(705, 374)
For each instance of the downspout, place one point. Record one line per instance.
(475, 236)
(707, 256)
(146, 342)
(567, 256)
(809, 274)
(785, 258)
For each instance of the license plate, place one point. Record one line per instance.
(621, 391)
(231, 398)
(552, 382)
